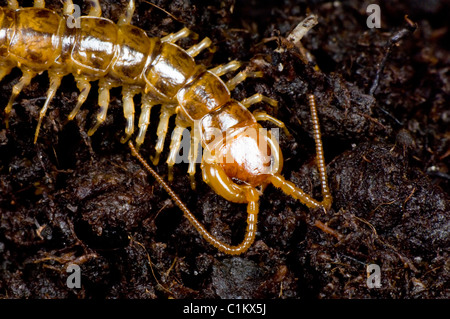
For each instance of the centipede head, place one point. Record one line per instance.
(246, 157)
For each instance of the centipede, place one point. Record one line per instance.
(239, 159)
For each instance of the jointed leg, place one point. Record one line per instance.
(103, 103)
(193, 154)
(226, 68)
(174, 147)
(128, 111)
(262, 116)
(241, 76)
(17, 88)
(161, 132)
(84, 86)
(144, 119)
(96, 9)
(55, 81)
(199, 47)
(173, 37)
(128, 15)
(257, 98)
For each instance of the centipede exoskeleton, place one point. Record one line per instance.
(240, 158)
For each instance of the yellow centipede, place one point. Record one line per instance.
(239, 159)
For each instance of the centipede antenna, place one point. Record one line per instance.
(160, 180)
(166, 12)
(252, 211)
(320, 158)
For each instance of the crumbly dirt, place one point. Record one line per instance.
(384, 108)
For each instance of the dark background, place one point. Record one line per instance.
(74, 199)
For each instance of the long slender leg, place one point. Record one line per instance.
(252, 198)
(128, 15)
(199, 47)
(96, 9)
(173, 37)
(17, 88)
(226, 68)
(175, 144)
(84, 86)
(193, 154)
(128, 111)
(55, 81)
(144, 119)
(257, 98)
(241, 76)
(263, 116)
(166, 113)
(103, 103)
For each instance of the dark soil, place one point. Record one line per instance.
(74, 199)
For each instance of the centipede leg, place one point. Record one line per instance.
(13, 4)
(242, 76)
(226, 68)
(175, 144)
(128, 15)
(144, 119)
(39, 3)
(55, 81)
(128, 111)
(199, 47)
(68, 7)
(17, 88)
(161, 131)
(193, 155)
(173, 37)
(103, 103)
(96, 9)
(84, 86)
(263, 116)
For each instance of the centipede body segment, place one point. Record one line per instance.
(239, 156)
